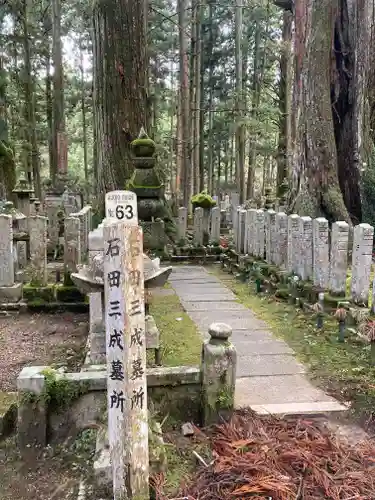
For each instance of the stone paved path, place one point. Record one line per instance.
(269, 378)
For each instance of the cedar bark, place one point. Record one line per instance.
(120, 88)
(331, 72)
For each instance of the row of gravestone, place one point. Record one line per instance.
(16, 256)
(309, 248)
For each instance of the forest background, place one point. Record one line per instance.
(243, 96)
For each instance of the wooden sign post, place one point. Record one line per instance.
(126, 359)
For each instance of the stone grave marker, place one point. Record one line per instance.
(281, 229)
(38, 249)
(361, 263)
(182, 222)
(339, 258)
(198, 226)
(6, 251)
(215, 225)
(320, 252)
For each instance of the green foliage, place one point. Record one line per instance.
(203, 200)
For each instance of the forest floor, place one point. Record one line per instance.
(39, 339)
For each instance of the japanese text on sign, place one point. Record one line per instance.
(122, 205)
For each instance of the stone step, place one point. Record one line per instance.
(300, 409)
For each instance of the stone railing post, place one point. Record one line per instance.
(32, 410)
(219, 361)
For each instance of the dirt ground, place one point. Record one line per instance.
(39, 339)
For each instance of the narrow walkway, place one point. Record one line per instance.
(269, 379)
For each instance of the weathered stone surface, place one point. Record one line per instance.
(260, 235)
(274, 364)
(339, 257)
(241, 215)
(215, 225)
(275, 389)
(218, 373)
(281, 254)
(270, 231)
(320, 252)
(305, 249)
(211, 306)
(187, 429)
(198, 226)
(72, 249)
(182, 222)
(361, 264)
(22, 254)
(293, 243)
(38, 249)
(6, 251)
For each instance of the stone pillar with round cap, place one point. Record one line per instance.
(218, 373)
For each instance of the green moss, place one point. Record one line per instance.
(203, 200)
(68, 294)
(181, 342)
(39, 294)
(61, 392)
(342, 368)
(225, 399)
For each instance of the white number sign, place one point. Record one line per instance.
(122, 206)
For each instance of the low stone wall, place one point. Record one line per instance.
(53, 405)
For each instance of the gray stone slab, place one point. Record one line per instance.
(212, 306)
(238, 320)
(276, 390)
(200, 288)
(193, 278)
(253, 336)
(188, 269)
(265, 365)
(207, 297)
(264, 346)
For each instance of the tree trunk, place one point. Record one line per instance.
(240, 132)
(30, 118)
(331, 71)
(198, 14)
(284, 102)
(120, 88)
(59, 135)
(84, 125)
(185, 109)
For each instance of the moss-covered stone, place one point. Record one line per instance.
(39, 294)
(69, 294)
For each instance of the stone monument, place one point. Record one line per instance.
(153, 211)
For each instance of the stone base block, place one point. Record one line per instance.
(11, 293)
(19, 276)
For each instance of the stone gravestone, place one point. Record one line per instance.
(126, 360)
(361, 264)
(339, 258)
(270, 225)
(72, 247)
(305, 248)
(182, 223)
(260, 236)
(215, 225)
(38, 249)
(198, 227)
(241, 215)
(320, 252)
(6, 251)
(281, 229)
(293, 243)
